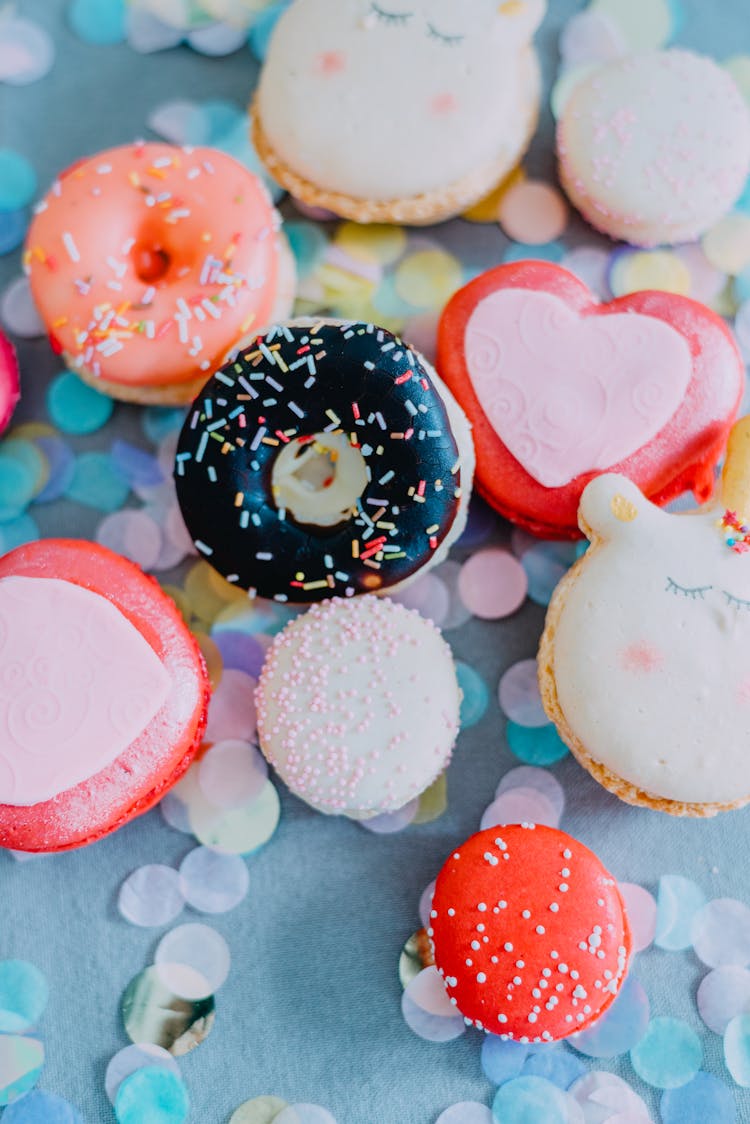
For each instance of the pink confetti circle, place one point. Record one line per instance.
(388, 823)
(134, 534)
(231, 712)
(430, 597)
(232, 773)
(425, 905)
(641, 910)
(721, 933)
(530, 776)
(722, 995)
(533, 212)
(520, 805)
(519, 696)
(492, 584)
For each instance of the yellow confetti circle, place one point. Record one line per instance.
(208, 592)
(649, 269)
(373, 243)
(181, 600)
(487, 209)
(428, 278)
(260, 1110)
(739, 67)
(727, 245)
(566, 84)
(29, 431)
(212, 656)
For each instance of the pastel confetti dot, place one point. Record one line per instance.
(677, 902)
(466, 1112)
(721, 933)
(61, 462)
(566, 83)
(375, 242)
(555, 1064)
(590, 264)
(632, 270)
(520, 805)
(231, 714)
(722, 995)
(238, 831)
(212, 882)
(136, 465)
(160, 421)
(308, 243)
(641, 909)
(263, 28)
(527, 776)
(23, 996)
(198, 948)
(75, 407)
(146, 33)
(487, 209)
(737, 1049)
(533, 212)
(604, 1096)
(479, 524)
(218, 119)
(644, 24)
(620, 1028)
(739, 67)
(240, 651)
(175, 121)
(388, 823)
(591, 36)
(21, 1061)
(217, 39)
(727, 244)
(42, 1108)
(132, 1058)
(13, 226)
(518, 693)
(152, 1094)
(99, 22)
(540, 745)
(545, 565)
(429, 595)
(706, 281)
(17, 532)
(134, 534)
(524, 1099)
(18, 311)
(428, 1011)
(304, 1113)
(540, 251)
(502, 1060)
(26, 52)
(703, 1099)
(259, 1110)
(17, 486)
(151, 896)
(176, 813)
(425, 904)
(232, 773)
(18, 182)
(492, 584)
(476, 695)
(668, 1055)
(742, 329)
(428, 278)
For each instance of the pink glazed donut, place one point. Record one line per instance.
(149, 263)
(9, 381)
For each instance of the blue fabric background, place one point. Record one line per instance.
(311, 1009)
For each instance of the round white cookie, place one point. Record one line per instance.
(655, 147)
(400, 98)
(358, 706)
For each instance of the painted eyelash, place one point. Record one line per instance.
(395, 19)
(736, 602)
(449, 40)
(696, 594)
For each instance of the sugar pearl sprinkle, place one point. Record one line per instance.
(540, 973)
(358, 706)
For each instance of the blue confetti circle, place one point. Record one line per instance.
(96, 483)
(240, 651)
(61, 460)
(545, 564)
(703, 1100)
(75, 407)
(669, 1054)
(159, 421)
(263, 28)
(479, 524)
(678, 901)
(530, 1100)
(17, 532)
(620, 1028)
(17, 180)
(13, 226)
(535, 745)
(23, 995)
(100, 22)
(139, 468)
(555, 1064)
(548, 251)
(502, 1060)
(476, 695)
(308, 243)
(42, 1108)
(152, 1094)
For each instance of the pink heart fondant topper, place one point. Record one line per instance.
(559, 387)
(568, 394)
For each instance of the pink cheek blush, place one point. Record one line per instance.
(641, 657)
(743, 692)
(330, 62)
(443, 105)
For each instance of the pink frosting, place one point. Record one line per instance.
(78, 684)
(568, 394)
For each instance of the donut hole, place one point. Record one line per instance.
(151, 262)
(319, 479)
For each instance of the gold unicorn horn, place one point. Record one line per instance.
(735, 479)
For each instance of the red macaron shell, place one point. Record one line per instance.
(530, 932)
(138, 778)
(9, 381)
(683, 454)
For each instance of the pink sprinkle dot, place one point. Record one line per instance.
(492, 584)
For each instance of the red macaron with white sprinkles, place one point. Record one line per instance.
(529, 932)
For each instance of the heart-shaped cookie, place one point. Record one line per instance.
(559, 388)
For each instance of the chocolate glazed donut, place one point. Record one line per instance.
(320, 462)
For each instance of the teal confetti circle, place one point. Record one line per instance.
(75, 407)
(152, 1094)
(17, 486)
(17, 532)
(476, 695)
(17, 180)
(99, 22)
(527, 1099)
(669, 1054)
(96, 483)
(13, 226)
(21, 1061)
(540, 745)
(23, 996)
